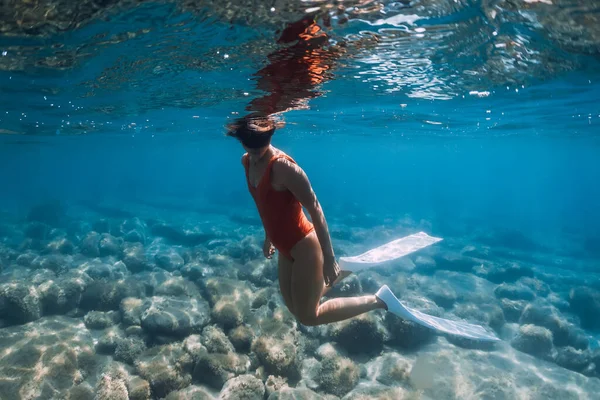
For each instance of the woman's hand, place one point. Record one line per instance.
(331, 270)
(268, 248)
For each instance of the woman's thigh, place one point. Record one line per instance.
(285, 281)
(307, 282)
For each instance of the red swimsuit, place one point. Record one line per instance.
(281, 213)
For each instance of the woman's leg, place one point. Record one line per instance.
(308, 285)
(285, 281)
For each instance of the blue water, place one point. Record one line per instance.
(482, 130)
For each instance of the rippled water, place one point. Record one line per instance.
(412, 67)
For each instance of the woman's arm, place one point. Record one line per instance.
(296, 181)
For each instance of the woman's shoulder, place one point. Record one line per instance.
(282, 158)
(284, 165)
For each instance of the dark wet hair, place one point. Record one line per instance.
(254, 131)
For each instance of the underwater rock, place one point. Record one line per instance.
(508, 273)
(153, 279)
(107, 295)
(109, 245)
(287, 393)
(83, 391)
(128, 225)
(176, 287)
(7, 254)
(573, 359)
(406, 334)
(194, 271)
(596, 361)
(63, 294)
(174, 317)
(167, 368)
(90, 245)
(391, 369)
(38, 277)
(349, 287)
(547, 318)
(277, 356)
(274, 384)
(177, 236)
(376, 392)
(338, 375)
(136, 330)
(243, 387)
(107, 343)
(135, 236)
(241, 338)
(214, 369)
(425, 262)
(454, 262)
(52, 262)
(134, 257)
(262, 273)
(26, 259)
(131, 311)
(192, 392)
(138, 388)
(370, 281)
(215, 340)
(96, 270)
(101, 320)
(60, 245)
(262, 297)
(558, 301)
(128, 349)
(170, 261)
(219, 260)
(540, 288)
(193, 345)
(46, 358)
(585, 303)
(19, 303)
(512, 309)
(112, 386)
(365, 329)
(443, 296)
(534, 340)
(553, 391)
(513, 292)
(485, 314)
(230, 301)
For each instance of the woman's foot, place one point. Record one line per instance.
(380, 303)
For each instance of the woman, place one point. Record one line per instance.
(307, 265)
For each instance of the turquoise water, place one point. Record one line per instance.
(123, 205)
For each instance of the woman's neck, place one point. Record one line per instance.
(266, 156)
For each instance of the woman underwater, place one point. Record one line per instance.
(307, 265)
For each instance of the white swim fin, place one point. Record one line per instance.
(440, 325)
(387, 252)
